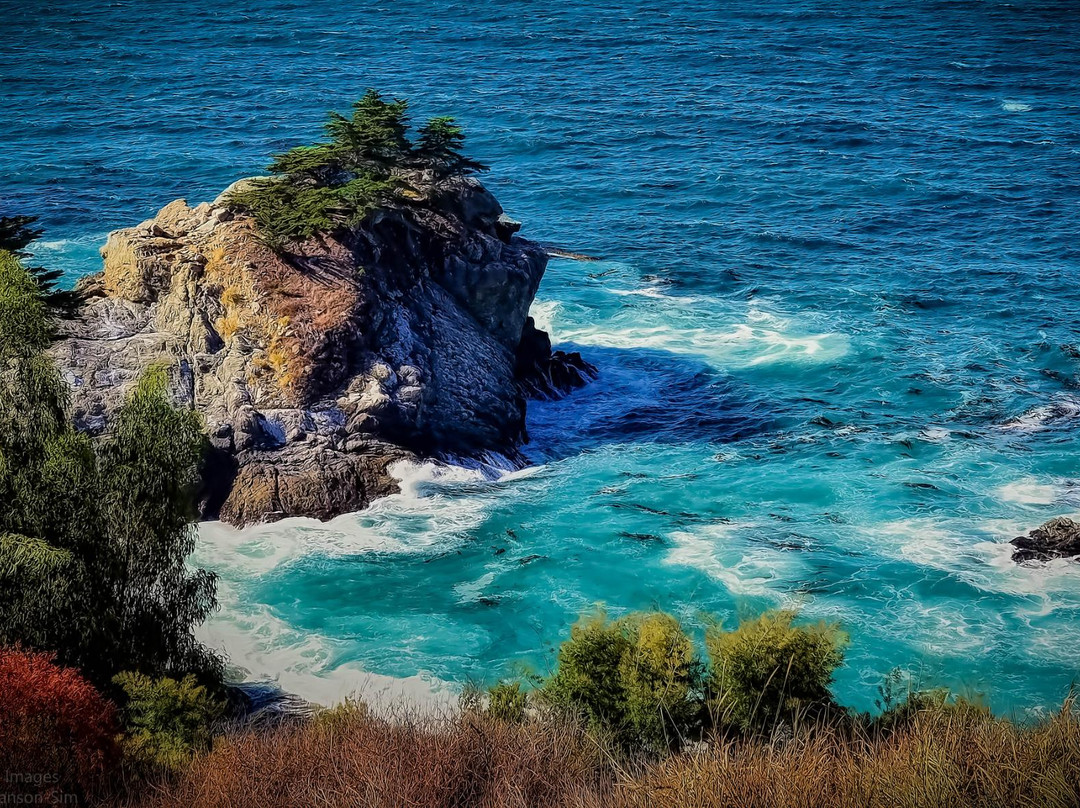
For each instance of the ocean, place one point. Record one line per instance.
(836, 316)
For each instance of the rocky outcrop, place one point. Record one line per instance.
(548, 374)
(1058, 538)
(317, 369)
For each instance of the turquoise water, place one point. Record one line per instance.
(837, 317)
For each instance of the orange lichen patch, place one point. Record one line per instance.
(290, 308)
(232, 297)
(228, 325)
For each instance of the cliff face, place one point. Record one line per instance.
(317, 369)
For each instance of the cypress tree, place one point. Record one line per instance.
(16, 234)
(439, 146)
(366, 161)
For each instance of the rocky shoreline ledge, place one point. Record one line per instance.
(406, 336)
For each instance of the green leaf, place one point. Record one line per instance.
(21, 554)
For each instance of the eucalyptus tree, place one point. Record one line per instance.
(93, 536)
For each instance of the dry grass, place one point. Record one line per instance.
(353, 759)
(940, 759)
(233, 297)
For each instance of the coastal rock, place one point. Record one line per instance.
(548, 374)
(316, 369)
(1058, 538)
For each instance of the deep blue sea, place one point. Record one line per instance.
(837, 318)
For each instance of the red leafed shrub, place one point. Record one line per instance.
(57, 732)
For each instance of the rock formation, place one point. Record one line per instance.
(1058, 538)
(317, 368)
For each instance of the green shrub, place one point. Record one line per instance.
(363, 164)
(587, 677)
(769, 671)
(507, 701)
(661, 676)
(901, 704)
(636, 678)
(166, 721)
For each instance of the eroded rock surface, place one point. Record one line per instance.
(317, 369)
(1058, 538)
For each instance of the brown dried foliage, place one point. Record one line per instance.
(939, 758)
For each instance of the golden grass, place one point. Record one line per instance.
(941, 758)
(232, 297)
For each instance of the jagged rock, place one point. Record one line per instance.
(548, 374)
(315, 369)
(1058, 538)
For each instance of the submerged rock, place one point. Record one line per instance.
(317, 369)
(1058, 538)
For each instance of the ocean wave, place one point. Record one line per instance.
(1028, 491)
(656, 292)
(1045, 416)
(744, 569)
(60, 245)
(740, 345)
(259, 647)
(425, 513)
(438, 507)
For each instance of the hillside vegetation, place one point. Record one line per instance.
(632, 718)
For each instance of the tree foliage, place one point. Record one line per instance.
(16, 234)
(93, 538)
(637, 678)
(769, 671)
(364, 163)
(439, 145)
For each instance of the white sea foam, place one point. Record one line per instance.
(979, 554)
(727, 334)
(744, 569)
(64, 244)
(1047, 587)
(944, 629)
(421, 516)
(743, 345)
(1045, 415)
(1027, 491)
(265, 648)
(470, 591)
(935, 434)
(544, 313)
(262, 648)
(921, 541)
(656, 292)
